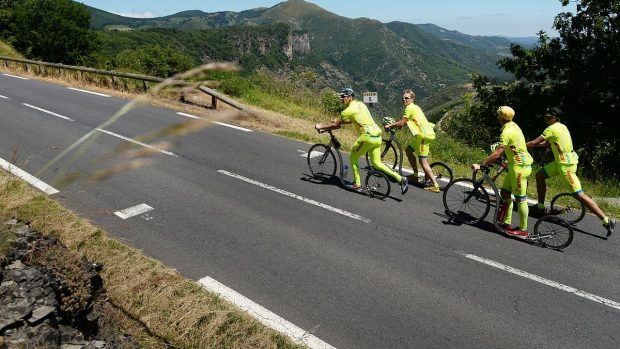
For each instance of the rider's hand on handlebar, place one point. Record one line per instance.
(475, 167)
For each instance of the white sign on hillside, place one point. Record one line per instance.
(370, 97)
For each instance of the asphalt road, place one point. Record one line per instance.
(238, 207)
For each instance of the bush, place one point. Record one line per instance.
(154, 60)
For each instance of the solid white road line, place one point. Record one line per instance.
(32, 180)
(136, 142)
(4, 97)
(91, 92)
(189, 115)
(263, 315)
(134, 211)
(547, 282)
(48, 112)
(215, 122)
(15, 76)
(298, 197)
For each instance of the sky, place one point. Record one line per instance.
(473, 17)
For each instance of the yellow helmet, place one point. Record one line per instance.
(505, 112)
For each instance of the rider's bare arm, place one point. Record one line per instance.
(491, 158)
(334, 124)
(398, 124)
(538, 142)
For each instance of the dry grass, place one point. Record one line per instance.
(8, 51)
(161, 308)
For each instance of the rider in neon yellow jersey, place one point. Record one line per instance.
(423, 136)
(512, 142)
(557, 136)
(369, 139)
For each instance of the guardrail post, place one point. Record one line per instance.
(6, 63)
(146, 85)
(113, 80)
(26, 67)
(60, 71)
(213, 103)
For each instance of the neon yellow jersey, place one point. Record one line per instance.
(561, 144)
(360, 117)
(516, 151)
(417, 122)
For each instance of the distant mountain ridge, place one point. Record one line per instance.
(363, 53)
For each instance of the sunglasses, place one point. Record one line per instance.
(406, 98)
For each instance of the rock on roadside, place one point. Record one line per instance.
(48, 297)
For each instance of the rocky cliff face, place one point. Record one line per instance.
(49, 298)
(297, 44)
(280, 42)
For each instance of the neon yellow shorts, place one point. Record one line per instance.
(421, 146)
(568, 174)
(516, 181)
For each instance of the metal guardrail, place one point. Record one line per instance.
(114, 74)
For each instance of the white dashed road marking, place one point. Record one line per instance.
(215, 122)
(136, 142)
(298, 197)
(91, 92)
(189, 115)
(4, 97)
(263, 315)
(32, 180)
(15, 76)
(134, 211)
(547, 282)
(48, 112)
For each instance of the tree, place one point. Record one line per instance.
(577, 71)
(154, 60)
(49, 30)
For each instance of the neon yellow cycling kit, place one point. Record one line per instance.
(566, 160)
(519, 168)
(359, 115)
(514, 141)
(369, 140)
(422, 130)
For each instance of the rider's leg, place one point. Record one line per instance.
(504, 214)
(570, 179)
(547, 171)
(591, 205)
(374, 154)
(412, 161)
(359, 147)
(516, 183)
(428, 170)
(520, 193)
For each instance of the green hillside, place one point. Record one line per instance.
(7, 50)
(363, 53)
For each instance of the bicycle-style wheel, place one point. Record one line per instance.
(377, 184)
(442, 173)
(567, 207)
(465, 204)
(322, 162)
(388, 155)
(553, 232)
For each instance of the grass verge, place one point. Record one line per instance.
(152, 302)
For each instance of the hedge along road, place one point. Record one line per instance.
(235, 207)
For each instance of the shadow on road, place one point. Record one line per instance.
(335, 181)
